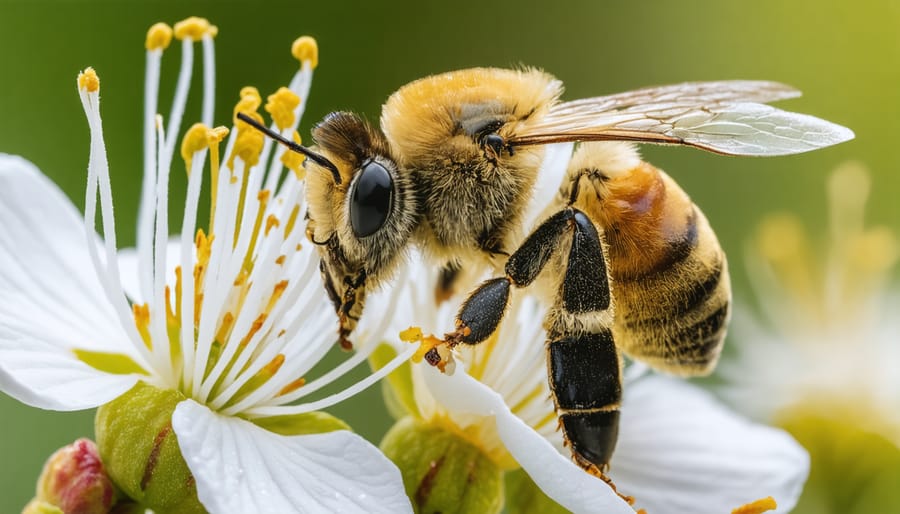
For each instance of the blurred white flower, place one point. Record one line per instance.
(231, 318)
(827, 337)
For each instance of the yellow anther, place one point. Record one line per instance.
(261, 377)
(194, 28)
(280, 260)
(248, 146)
(276, 295)
(426, 345)
(215, 135)
(292, 386)
(757, 507)
(271, 222)
(411, 335)
(248, 104)
(204, 249)
(178, 288)
(88, 80)
(142, 322)
(158, 37)
(305, 49)
(195, 140)
(281, 105)
(225, 328)
(294, 161)
(292, 221)
(254, 328)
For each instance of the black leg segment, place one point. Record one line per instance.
(586, 286)
(481, 313)
(592, 435)
(531, 257)
(584, 371)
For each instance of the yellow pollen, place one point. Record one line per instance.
(305, 49)
(260, 378)
(204, 248)
(280, 260)
(292, 221)
(248, 145)
(294, 161)
(299, 247)
(194, 28)
(195, 140)
(142, 322)
(158, 37)
(277, 291)
(757, 507)
(293, 386)
(271, 222)
(254, 328)
(178, 287)
(414, 335)
(248, 104)
(170, 313)
(281, 105)
(275, 364)
(88, 80)
(215, 135)
(225, 328)
(282, 332)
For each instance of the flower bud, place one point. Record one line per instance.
(442, 472)
(74, 481)
(141, 453)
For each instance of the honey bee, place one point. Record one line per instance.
(627, 262)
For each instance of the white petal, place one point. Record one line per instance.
(554, 473)
(679, 450)
(50, 298)
(240, 467)
(41, 374)
(129, 266)
(549, 177)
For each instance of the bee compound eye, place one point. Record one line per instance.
(495, 142)
(370, 200)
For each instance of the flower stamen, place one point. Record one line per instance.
(757, 507)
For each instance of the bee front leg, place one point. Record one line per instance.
(482, 311)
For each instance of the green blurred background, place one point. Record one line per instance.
(843, 55)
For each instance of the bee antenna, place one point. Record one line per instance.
(318, 159)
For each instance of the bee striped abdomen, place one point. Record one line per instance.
(672, 313)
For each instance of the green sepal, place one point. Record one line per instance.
(442, 472)
(302, 424)
(41, 507)
(140, 450)
(113, 363)
(523, 496)
(397, 389)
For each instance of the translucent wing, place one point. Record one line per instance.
(727, 117)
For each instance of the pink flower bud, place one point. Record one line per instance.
(74, 480)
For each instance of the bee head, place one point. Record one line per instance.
(464, 118)
(361, 224)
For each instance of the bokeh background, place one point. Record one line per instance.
(843, 55)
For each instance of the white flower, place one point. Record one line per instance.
(236, 324)
(828, 326)
(678, 450)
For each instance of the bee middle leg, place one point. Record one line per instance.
(585, 287)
